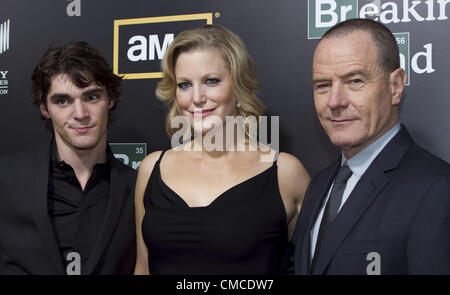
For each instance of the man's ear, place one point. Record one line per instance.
(397, 80)
(44, 111)
(111, 104)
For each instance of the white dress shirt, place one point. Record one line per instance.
(358, 164)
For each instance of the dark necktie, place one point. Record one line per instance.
(332, 208)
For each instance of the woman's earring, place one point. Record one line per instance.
(238, 105)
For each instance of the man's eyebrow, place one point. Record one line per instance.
(57, 96)
(319, 80)
(353, 73)
(92, 91)
(342, 76)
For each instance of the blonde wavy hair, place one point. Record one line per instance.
(239, 63)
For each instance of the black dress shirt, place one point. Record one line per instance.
(76, 214)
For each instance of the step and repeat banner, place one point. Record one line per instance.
(281, 36)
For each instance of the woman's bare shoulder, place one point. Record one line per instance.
(290, 165)
(150, 160)
(293, 176)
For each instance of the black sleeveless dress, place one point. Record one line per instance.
(243, 231)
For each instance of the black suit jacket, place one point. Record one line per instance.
(27, 241)
(400, 209)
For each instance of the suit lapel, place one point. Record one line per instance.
(321, 192)
(38, 197)
(366, 190)
(119, 189)
(368, 187)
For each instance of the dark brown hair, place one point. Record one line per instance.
(83, 65)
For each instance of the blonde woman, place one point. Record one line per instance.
(220, 211)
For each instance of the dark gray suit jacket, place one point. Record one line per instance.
(27, 241)
(400, 209)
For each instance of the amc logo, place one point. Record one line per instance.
(140, 43)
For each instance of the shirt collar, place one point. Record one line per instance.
(362, 160)
(54, 154)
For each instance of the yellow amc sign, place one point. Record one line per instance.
(143, 47)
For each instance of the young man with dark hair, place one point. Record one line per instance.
(67, 206)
